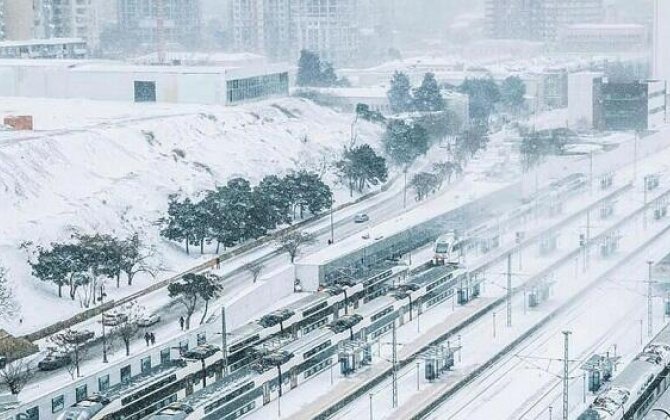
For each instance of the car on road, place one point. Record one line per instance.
(54, 360)
(113, 319)
(148, 320)
(361, 218)
(77, 336)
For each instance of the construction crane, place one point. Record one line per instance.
(160, 31)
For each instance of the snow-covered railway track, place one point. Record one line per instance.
(428, 409)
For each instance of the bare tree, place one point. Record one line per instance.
(292, 242)
(255, 268)
(9, 306)
(70, 342)
(16, 375)
(128, 329)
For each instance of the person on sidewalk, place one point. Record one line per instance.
(181, 322)
(147, 338)
(152, 337)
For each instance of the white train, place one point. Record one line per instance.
(629, 393)
(447, 249)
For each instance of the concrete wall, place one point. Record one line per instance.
(269, 289)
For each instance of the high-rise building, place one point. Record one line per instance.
(661, 51)
(2, 20)
(539, 20)
(19, 19)
(262, 26)
(138, 21)
(279, 29)
(327, 27)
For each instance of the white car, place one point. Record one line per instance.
(361, 218)
(149, 320)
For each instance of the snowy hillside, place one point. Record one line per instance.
(113, 167)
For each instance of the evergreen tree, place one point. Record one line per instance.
(272, 203)
(307, 190)
(427, 97)
(424, 183)
(328, 78)
(178, 223)
(399, 94)
(484, 95)
(512, 92)
(362, 167)
(403, 142)
(309, 69)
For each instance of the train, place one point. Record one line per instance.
(631, 392)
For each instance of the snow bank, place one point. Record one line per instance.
(109, 167)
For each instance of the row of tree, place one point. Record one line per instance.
(537, 145)
(235, 212)
(425, 98)
(85, 263)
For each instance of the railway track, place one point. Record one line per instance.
(520, 342)
(372, 383)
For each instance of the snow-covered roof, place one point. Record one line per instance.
(47, 41)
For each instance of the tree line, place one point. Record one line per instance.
(83, 264)
(235, 212)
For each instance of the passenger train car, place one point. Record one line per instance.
(631, 392)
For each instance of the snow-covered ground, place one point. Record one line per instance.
(109, 168)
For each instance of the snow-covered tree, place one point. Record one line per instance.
(400, 93)
(427, 97)
(128, 330)
(292, 242)
(424, 183)
(403, 142)
(361, 167)
(16, 375)
(9, 306)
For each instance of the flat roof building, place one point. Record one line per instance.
(68, 48)
(117, 81)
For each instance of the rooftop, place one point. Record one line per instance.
(49, 41)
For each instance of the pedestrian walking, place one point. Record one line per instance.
(218, 262)
(153, 338)
(181, 322)
(147, 338)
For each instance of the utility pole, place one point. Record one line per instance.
(644, 209)
(224, 341)
(566, 373)
(395, 366)
(404, 194)
(509, 289)
(104, 341)
(332, 227)
(650, 312)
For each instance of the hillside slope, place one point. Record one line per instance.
(109, 168)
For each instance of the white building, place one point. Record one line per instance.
(603, 38)
(661, 54)
(114, 81)
(69, 48)
(580, 99)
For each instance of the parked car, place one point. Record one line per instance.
(85, 409)
(201, 352)
(149, 320)
(174, 411)
(112, 320)
(78, 336)
(54, 360)
(361, 218)
(3, 362)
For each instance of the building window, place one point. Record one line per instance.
(183, 346)
(165, 356)
(146, 365)
(145, 91)
(125, 374)
(202, 338)
(57, 404)
(81, 392)
(33, 413)
(103, 383)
